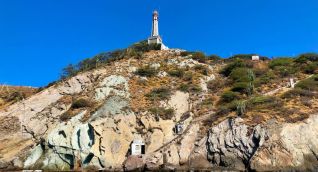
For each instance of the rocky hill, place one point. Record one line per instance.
(236, 114)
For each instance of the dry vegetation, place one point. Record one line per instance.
(12, 94)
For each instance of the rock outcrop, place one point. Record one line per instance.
(99, 136)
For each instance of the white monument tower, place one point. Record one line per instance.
(155, 37)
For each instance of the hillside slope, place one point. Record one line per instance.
(236, 114)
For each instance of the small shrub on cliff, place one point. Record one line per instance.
(165, 114)
(199, 56)
(304, 58)
(310, 84)
(81, 103)
(229, 96)
(216, 84)
(237, 63)
(187, 76)
(162, 93)
(146, 71)
(202, 69)
(189, 87)
(176, 72)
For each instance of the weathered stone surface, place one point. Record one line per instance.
(179, 102)
(112, 85)
(293, 146)
(134, 163)
(171, 156)
(232, 143)
(187, 143)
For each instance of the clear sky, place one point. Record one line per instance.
(39, 37)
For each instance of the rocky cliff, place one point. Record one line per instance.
(53, 130)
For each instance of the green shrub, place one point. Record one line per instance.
(311, 68)
(190, 88)
(207, 102)
(263, 102)
(229, 96)
(199, 56)
(284, 71)
(165, 114)
(146, 71)
(216, 84)
(299, 92)
(237, 63)
(242, 56)
(240, 87)
(241, 108)
(214, 57)
(80, 103)
(162, 93)
(15, 96)
(185, 53)
(280, 62)
(304, 58)
(184, 87)
(176, 73)
(187, 76)
(240, 75)
(310, 84)
(264, 79)
(202, 69)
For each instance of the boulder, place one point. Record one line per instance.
(134, 163)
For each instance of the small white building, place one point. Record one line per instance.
(137, 147)
(255, 58)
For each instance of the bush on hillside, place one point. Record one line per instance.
(146, 71)
(229, 96)
(237, 63)
(199, 56)
(178, 72)
(299, 92)
(310, 84)
(189, 87)
(240, 75)
(187, 76)
(284, 71)
(214, 57)
(202, 69)
(162, 93)
(311, 68)
(165, 114)
(15, 96)
(242, 56)
(185, 53)
(243, 88)
(280, 62)
(216, 84)
(304, 58)
(80, 103)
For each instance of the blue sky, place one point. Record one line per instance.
(39, 37)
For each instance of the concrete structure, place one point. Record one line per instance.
(292, 82)
(137, 147)
(155, 37)
(255, 57)
(178, 128)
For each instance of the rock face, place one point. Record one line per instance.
(270, 147)
(232, 143)
(290, 146)
(99, 136)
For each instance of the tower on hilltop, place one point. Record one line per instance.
(155, 37)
